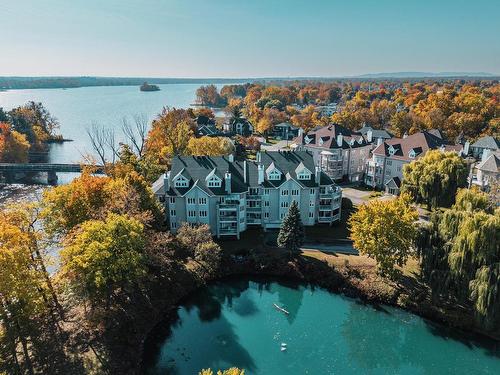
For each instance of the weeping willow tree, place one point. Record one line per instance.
(460, 255)
(435, 178)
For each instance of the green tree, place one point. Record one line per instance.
(385, 231)
(435, 178)
(291, 235)
(103, 257)
(460, 255)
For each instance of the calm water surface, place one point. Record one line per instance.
(234, 323)
(76, 109)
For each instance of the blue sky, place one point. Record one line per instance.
(247, 38)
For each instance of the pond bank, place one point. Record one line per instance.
(351, 281)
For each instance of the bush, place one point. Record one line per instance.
(346, 204)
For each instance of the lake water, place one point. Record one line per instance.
(76, 109)
(234, 323)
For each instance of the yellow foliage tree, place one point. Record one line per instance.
(209, 146)
(385, 231)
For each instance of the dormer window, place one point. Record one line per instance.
(214, 181)
(307, 139)
(321, 142)
(304, 175)
(181, 181)
(392, 150)
(412, 154)
(274, 175)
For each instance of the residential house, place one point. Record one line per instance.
(488, 170)
(485, 143)
(285, 130)
(239, 126)
(340, 152)
(231, 195)
(206, 126)
(327, 110)
(385, 168)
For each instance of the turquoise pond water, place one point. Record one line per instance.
(234, 323)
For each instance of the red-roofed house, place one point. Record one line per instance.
(385, 169)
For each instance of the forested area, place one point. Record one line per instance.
(24, 130)
(468, 108)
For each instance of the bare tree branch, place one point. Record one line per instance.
(136, 132)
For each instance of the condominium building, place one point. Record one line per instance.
(231, 195)
(341, 153)
(385, 168)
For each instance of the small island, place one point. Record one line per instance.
(147, 87)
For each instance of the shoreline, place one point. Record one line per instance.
(302, 271)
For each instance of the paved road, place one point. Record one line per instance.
(275, 147)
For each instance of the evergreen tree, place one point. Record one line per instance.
(291, 234)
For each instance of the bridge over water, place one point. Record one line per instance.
(11, 169)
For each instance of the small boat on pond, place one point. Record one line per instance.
(281, 309)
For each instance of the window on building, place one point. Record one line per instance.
(173, 225)
(253, 191)
(191, 213)
(312, 191)
(274, 175)
(266, 191)
(172, 212)
(388, 162)
(191, 200)
(311, 203)
(222, 199)
(203, 213)
(282, 215)
(311, 214)
(202, 200)
(284, 192)
(214, 182)
(266, 203)
(266, 215)
(172, 200)
(284, 204)
(304, 175)
(181, 182)
(295, 192)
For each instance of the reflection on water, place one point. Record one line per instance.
(234, 323)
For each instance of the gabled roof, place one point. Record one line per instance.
(376, 133)
(491, 164)
(199, 167)
(328, 136)
(420, 142)
(394, 182)
(487, 142)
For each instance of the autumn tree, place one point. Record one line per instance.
(91, 197)
(209, 96)
(14, 146)
(385, 231)
(102, 257)
(35, 122)
(434, 178)
(209, 146)
(170, 134)
(291, 234)
(308, 119)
